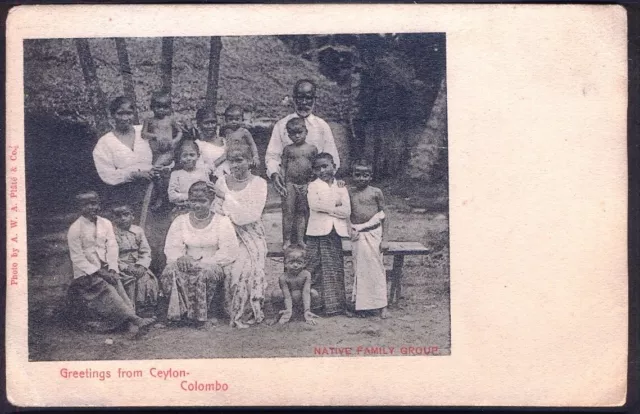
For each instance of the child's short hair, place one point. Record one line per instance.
(118, 208)
(294, 248)
(159, 95)
(118, 102)
(204, 112)
(233, 108)
(296, 121)
(201, 188)
(324, 156)
(363, 163)
(243, 149)
(85, 196)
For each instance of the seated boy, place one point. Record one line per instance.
(295, 285)
(97, 296)
(368, 230)
(134, 260)
(297, 165)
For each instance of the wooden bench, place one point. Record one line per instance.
(396, 249)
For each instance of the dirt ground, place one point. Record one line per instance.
(420, 319)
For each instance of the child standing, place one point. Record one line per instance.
(297, 164)
(235, 134)
(189, 172)
(164, 136)
(162, 131)
(329, 209)
(134, 260)
(368, 231)
(212, 147)
(295, 285)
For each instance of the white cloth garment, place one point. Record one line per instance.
(181, 180)
(318, 134)
(90, 245)
(323, 212)
(209, 153)
(245, 206)
(115, 161)
(370, 278)
(215, 244)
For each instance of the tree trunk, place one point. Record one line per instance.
(166, 66)
(97, 98)
(127, 75)
(214, 71)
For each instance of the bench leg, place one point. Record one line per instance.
(396, 279)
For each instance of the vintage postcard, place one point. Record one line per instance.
(316, 205)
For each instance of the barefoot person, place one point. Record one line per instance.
(97, 297)
(295, 287)
(318, 134)
(297, 166)
(368, 231)
(242, 197)
(329, 210)
(199, 245)
(134, 260)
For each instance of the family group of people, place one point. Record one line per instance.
(212, 256)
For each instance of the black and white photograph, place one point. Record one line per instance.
(237, 196)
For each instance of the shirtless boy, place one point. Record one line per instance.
(297, 164)
(162, 131)
(368, 231)
(164, 136)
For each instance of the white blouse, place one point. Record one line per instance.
(115, 161)
(244, 206)
(215, 244)
(182, 180)
(209, 153)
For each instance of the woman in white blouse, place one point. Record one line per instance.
(199, 245)
(122, 158)
(242, 197)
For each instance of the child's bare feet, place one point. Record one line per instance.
(384, 313)
(205, 325)
(142, 322)
(239, 325)
(133, 329)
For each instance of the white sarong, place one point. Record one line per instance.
(370, 281)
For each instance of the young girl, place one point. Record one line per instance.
(235, 134)
(243, 198)
(189, 173)
(212, 146)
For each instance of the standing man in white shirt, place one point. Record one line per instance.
(318, 133)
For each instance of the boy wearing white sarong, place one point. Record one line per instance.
(368, 230)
